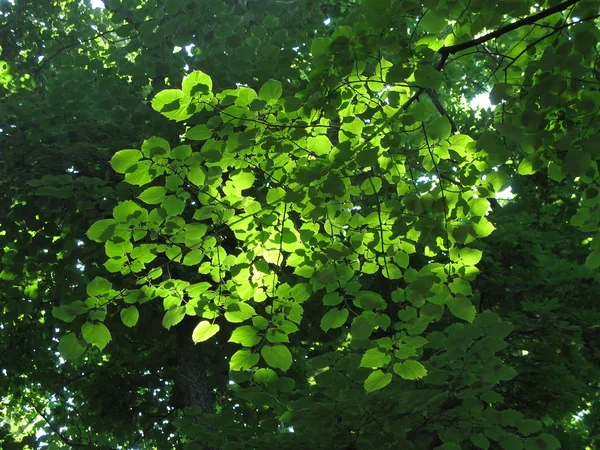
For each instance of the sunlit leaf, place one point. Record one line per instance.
(204, 331)
(96, 334)
(277, 356)
(377, 380)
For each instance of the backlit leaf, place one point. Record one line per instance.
(204, 331)
(153, 195)
(98, 286)
(96, 334)
(124, 160)
(377, 380)
(277, 356)
(245, 335)
(243, 359)
(129, 316)
(271, 90)
(374, 358)
(70, 347)
(410, 369)
(334, 318)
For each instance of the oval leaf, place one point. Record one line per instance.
(334, 318)
(243, 359)
(377, 380)
(96, 334)
(130, 316)
(277, 356)
(204, 331)
(70, 347)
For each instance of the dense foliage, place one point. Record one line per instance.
(252, 224)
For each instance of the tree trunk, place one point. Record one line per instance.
(192, 381)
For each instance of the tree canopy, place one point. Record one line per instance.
(289, 224)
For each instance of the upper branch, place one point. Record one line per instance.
(452, 49)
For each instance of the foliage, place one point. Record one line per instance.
(279, 224)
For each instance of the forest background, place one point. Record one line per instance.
(251, 224)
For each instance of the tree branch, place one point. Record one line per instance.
(55, 430)
(438, 105)
(452, 49)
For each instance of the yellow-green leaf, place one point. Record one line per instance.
(204, 331)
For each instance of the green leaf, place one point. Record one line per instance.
(140, 174)
(486, 319)
(375, 358)
(367, 158)
(260, 322)
(334, 318)
(479, 206)
(194, 232)
(173, 104)
(320, 46)
(243, 359)
(70, 347)
(334, 185)
(63, 313)
(277, 356)
(98, 286)
(371, 185)
(96, 334)
(480, 441)
(155, 147)
(332, 299)
(593, 259)
(124, 160)
(199, 133)
(499, 180)
(271, 90)
(197, 176)
(153, 195)
(511, 442)
(576, 162)
(239, 312)
(181, 152)
(173, 316)
(361, 328)
(500, 91)
(193, 258)
(173, 205)
(440, 128)
(129, 212)
(243, 180)
(245, 335)
(369, 300)
(483, 227)
(320, 145)
(529, 426)
(197, 83)
(377, 380)
(102, 230)
(433, 21)
(529, 165)
(204, 331)
(428, 77)
(130, 316)
(410, 370)
(265, 376)
(462, 308)
(245, 96)
(470, 256)
(398, 73)
(546, 441)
